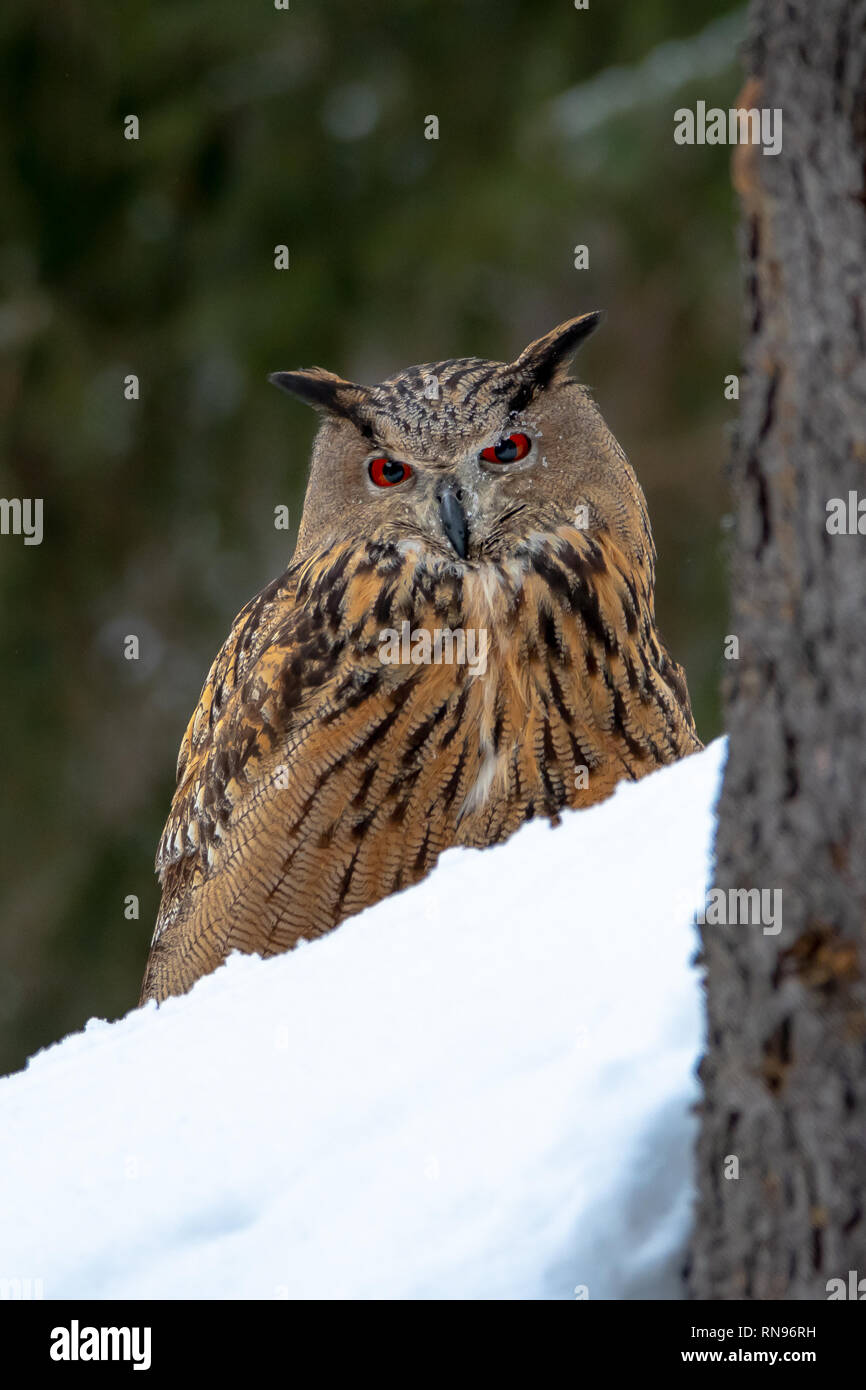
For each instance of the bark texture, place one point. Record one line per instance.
(785, 1070)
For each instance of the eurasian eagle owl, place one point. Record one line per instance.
(465, 638)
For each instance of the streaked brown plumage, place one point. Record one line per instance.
(314, 779)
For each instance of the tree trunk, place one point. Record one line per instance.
(785, 1070)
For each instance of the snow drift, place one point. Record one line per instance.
(480, 1088)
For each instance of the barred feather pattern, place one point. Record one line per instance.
(314, 779)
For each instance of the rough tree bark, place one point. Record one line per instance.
(785, 1070)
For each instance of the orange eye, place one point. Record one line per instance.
(508, 450)
(386, 472)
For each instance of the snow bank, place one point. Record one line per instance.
(481, 1088)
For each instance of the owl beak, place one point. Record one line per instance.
(454, 522)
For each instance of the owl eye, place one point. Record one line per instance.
(508, 450)
(386, 472)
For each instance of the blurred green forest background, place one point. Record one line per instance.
(303, 127)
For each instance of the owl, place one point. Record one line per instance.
(465, 638)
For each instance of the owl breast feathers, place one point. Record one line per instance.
(465, 638)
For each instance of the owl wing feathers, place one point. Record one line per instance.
(315, 778)
(299, 767)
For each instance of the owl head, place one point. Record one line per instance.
(467, 456)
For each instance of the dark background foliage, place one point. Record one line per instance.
(304, 127)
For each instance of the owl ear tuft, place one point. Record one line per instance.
(323, 391)
(549, 355)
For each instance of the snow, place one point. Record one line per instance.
(480, 1088)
